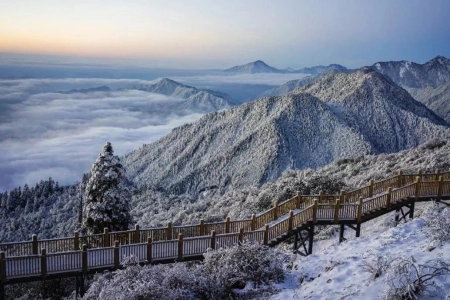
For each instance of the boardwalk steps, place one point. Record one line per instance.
(296, 217)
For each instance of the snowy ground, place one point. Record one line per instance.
(334, 271)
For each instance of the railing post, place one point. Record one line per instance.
(241, 236)
(84, 259)
(371, 188)
(440, 182)
(2, 267)
(419, 173)
(417, 191)
(43, 262)
(227, 225)
(106, 242)
(202, 227)
(388, 198)
(320, 196)
(399, 178)
(360, 205)
(342, 197)
(266, 235)
(34, 244)
(298, 201)
(180, 246)
(290, 221)
(336, 211)
(169, 231)
(275, 210)
(116, 254)
(137, 234)
(76, 241)
(149, 250)
(253, 223)
(438, 173)
(315, 211)
(213, 239)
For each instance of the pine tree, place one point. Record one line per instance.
(106, 195)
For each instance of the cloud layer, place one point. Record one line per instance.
(48, 134)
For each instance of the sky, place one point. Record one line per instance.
(223, 33)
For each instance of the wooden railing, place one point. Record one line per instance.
(83, 253)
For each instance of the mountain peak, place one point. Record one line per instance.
(442, 60)
(259, 62)
(257, 66)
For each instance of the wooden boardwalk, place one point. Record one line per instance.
(72, 256)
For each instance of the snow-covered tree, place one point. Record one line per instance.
(106, 195)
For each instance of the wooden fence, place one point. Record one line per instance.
(83, 253)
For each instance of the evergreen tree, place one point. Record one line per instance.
(106, 195)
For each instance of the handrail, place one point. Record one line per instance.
(107, 239)
(178, 247)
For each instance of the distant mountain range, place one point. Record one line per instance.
(261, 67)
(89, 90)
(340, 115)
(195, 99)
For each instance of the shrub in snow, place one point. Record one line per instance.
(215, 278)
(106, 203)
(406, 279)
(437, 222)
(248, 262)
(376, 265)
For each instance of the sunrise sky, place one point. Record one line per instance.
(216, 33)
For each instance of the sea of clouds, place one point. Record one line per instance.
(48, 134)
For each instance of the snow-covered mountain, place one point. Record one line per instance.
(384, 113)
(254, 67)
(261, 67)
(340, 115)
(411, 74)
(196, 99)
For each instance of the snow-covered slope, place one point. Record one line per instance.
(337, 271)
(411, 74)
(248, 144)
(196, 100)
(436, 99)
(346, 115)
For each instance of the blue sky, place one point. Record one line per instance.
(219, 34)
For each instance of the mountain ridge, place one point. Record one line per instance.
(406, 73)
